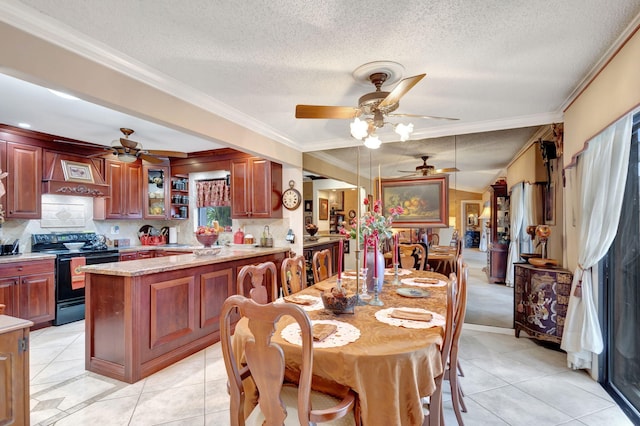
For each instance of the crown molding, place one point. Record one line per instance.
(27, 19)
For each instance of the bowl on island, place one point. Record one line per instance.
(74, 246)
(206, 236)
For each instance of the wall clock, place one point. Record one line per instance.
(352, 214)
(291, 197)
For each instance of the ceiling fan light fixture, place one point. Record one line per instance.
(372, 142)
(404, 130)
(127, 157)
(359, 129)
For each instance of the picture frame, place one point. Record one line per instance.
(323, 211)
(425, 201)
(308, 206)
(307, 220)
(77, 172)
(336, 200)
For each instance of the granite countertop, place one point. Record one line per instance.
(26, 257)
(172, 247)
(8, 323)
(155, 265)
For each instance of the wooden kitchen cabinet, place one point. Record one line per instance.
(126, 198)
(541, 300)
(180, 196)
(14, 371)
(28, 290)
(134, 255)
(23, 163)
(157, 185)
(256, 188)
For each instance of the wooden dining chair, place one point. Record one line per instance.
(293, 275)
(433, 411)
(452, 367)
(412, 256)
(321, 265)
(2, 308)
(279, 402)
(258, 276)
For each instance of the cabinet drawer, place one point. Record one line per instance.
(24, 268)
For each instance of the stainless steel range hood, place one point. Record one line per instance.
(65, 174)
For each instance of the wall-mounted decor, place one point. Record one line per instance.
(425, 201)
(323, 212)
(336, 200)
(76, 172)
(549, 204)
(308, 205)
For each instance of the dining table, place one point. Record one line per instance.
(390, 363)
(442, 259)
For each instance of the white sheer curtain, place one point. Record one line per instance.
(530, 217)
(522, 208)
(598, 183)
(517, 212)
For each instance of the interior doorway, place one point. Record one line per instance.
(470, 219)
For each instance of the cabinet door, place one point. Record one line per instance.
(37, 297)
(261, 187)
(24, 181)
(133, 190)
(156, 193)
(215, 287)
(14, 379)
(115, 177)
(240, 189)
(9, 295)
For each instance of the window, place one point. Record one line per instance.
(621, 372)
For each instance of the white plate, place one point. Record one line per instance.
(412, 292)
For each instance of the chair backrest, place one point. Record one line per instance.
(461, 304)
(412, 256)
(321, 265)
(264, 358)
(2, 308)
(435, 399)
(293, 274)
(258, 274)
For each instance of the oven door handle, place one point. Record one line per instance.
(107, 258)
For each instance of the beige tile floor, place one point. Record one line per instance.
(507, 381)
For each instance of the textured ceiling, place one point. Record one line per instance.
(495, 65)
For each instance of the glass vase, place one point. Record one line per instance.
(370, 269)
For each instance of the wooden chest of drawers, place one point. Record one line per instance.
(541, 299)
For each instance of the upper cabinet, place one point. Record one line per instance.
(126, 198)
(256, 188)
(23, 163)
(180, 196)
(157, 191)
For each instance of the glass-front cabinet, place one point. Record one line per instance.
(157, 192)
(498, 248)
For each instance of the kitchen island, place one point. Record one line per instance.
(144, 315)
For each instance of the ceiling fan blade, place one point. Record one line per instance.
(431, 117)
(407, 171)
(163, 153)
(320, 111)
(128, 143)
(400, 90)
(150, 158)
(449, 170)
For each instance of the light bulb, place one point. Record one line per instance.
(372, 142)
(359, 129)
(404, 130)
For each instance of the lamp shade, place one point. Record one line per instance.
(486, 213)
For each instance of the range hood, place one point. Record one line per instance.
(67, 174)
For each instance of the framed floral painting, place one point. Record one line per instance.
(425, 201)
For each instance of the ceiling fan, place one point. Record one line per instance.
(129, 151)
(428, 170)
(375, 106)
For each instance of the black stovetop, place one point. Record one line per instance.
(54, 243)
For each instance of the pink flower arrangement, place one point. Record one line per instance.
(373, 224)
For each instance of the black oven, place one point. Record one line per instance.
(69, 296)
(69, 301)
